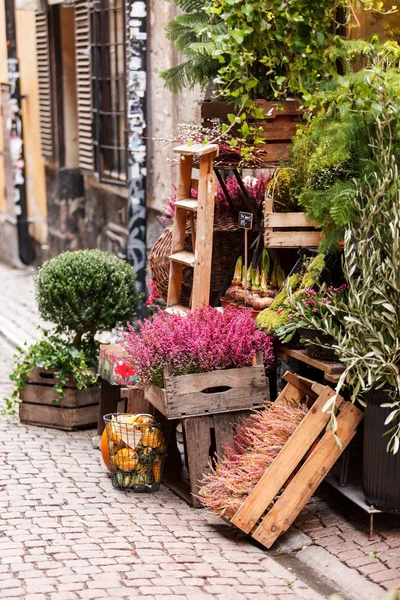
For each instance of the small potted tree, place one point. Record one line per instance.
(83, 293)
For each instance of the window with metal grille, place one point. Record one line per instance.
(108, 44)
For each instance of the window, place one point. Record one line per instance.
(108, 85)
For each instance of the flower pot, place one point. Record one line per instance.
(381, 469)
(313, 349)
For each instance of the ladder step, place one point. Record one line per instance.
(178, 309)
(184, 257)
(187, 203)
(197, 149)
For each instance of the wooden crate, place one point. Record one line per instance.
(279, 124)
(210, 393)
(40, 405)
(202, 438)
(300, 467)
(284, 230)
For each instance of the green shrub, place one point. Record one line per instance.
(86, 292)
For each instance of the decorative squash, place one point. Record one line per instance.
(126, 460)
(152, 437)
(105, 453)
(157, 471)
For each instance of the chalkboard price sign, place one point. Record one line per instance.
(245, 220)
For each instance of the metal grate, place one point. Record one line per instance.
(84, 85)
(44, 85)
(108, 43)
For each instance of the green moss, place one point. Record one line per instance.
(269, 320)
(280, 190)
(316, 265)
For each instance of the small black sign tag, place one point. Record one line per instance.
(245, 220)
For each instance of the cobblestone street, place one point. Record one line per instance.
(66, 534)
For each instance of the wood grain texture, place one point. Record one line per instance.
(73, 398)
(67, 419)
(292, 239)
(332, 367)
(198, 394)
(308, 478)
(197, 149)
(295, 219)
(284, 464)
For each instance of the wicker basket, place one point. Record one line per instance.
(226, 242)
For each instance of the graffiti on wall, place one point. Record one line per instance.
(136, 143)
(14, 126)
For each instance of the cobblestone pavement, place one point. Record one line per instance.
(65, 533)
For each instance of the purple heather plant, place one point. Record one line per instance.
(204, 340)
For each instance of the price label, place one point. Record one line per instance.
(245, 220)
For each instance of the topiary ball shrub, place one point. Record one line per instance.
(86, 292)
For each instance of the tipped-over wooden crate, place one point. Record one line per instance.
(40, 403)
(300, 467)
(288, 230)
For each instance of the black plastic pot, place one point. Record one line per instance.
(381, 469)
(314, 349)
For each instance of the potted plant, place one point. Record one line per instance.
(202, 362)
(309, 312)
(261, 56)
(82, 293)
(368, 340)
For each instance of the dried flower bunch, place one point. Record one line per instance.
(257, 442)
(204, 340)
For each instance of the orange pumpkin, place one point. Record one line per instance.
(105, 453)
(152, 437)
(126, 459)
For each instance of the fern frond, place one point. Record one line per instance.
(176, 78)
(190, 5)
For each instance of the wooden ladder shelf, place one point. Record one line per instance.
(202, 231)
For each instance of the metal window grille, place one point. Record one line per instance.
(108, 46)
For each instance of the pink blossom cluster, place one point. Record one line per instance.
(315, 304)
(204, 340)
(255, 188)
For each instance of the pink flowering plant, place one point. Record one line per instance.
(312, 310)
(204, 340)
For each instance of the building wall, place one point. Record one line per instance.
(3, 79)
(35, 176)
(165, 111)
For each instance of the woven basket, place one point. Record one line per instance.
(226, 242)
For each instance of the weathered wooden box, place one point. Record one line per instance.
(210, 393)
(40, 405)
(289, 230)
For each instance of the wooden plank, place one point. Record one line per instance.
(67, 419)
(197, 150)
(224, 428)
(187, 204)
(197, 382)
(184, 257)
(284, 464)
(177, 309)
(194, 184)
(335, 368)
(292, 239)
(157, 397)
(290, 219)
(308, 478)
(198, 440)
(273, 129)
(331, 378)
(289, 396)
(185, 177)
(47, 395)
(47, 377)
(303, 386)
(136, 401)
(204, 232)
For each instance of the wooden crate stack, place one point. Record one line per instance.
(205, 407)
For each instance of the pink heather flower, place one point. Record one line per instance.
(204, 340)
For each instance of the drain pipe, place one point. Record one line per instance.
(25, 245)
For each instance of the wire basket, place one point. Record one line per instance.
(137, 448)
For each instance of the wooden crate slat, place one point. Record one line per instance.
(290, 219)
(284, 464)
(197, 382)
(292, 239)
(273, 130)
(289, 396)
(335, 368)
(67, 419)
(73, 398)
(308, 478)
